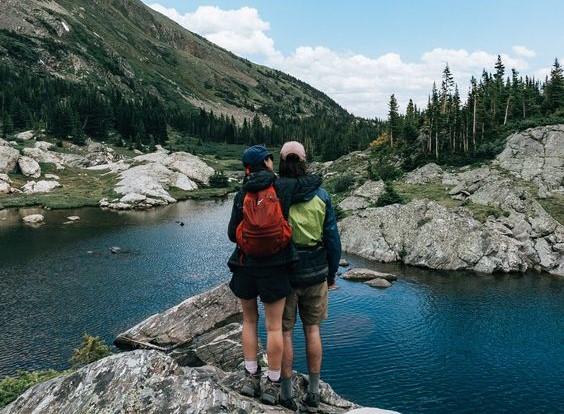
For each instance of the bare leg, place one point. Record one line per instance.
(314, 348)
(287, 355)
(274, 341)
(249, 335)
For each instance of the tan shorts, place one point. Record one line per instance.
(311, 303)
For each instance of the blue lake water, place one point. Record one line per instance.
(435, 342)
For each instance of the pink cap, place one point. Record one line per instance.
(293, 147)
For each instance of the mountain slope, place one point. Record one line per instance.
(126, 45)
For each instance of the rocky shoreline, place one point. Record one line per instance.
(519, 235)
(187, 359)
(139, 181)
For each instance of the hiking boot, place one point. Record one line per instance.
(290, 404)
(250, 386)
(270, 392)
(311, 402)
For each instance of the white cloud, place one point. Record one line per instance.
(524, 51)
(241, 31)
(361, 84)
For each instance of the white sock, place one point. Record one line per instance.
(274, 375)
(251, 367)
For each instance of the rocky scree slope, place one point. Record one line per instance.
(187, 359)
(428, 233)
(124, 44)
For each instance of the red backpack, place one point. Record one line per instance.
(263, 231)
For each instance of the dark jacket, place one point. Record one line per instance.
(280, 263)
(315, 233)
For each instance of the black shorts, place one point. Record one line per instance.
(269, 288)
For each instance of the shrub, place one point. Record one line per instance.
(390, 196)
(384, 171)
(339, 213)
(343, 183)
(92, 349)
(219, 180)
(12, 387)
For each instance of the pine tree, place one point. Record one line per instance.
(410, 124)
(393, 120)
(554, 89)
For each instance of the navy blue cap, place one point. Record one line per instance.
(255, 155)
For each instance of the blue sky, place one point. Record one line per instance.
(359, 52)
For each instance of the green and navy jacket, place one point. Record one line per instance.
(314, 231)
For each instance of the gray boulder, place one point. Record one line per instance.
(361, 275)
(5, 184)
(43, 145)
(428, 173)
(371, 190)
(5, 188)
(25, 136)
(8, 159)
(365, 195)
(353, 203)
(191, 166)
(33, 219)
(147, 381)
(184, 322)
(152, 181)
(219, 347)
(42, 186)
(536, 155)
(182, 162)
(425, 233)
(29, 167)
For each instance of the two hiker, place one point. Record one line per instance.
(287, 253)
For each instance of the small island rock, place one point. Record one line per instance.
(33, 219)
(361, 275)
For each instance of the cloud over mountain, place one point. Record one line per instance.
(359, 83)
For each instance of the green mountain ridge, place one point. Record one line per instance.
(125, 45)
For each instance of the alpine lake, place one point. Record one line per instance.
(435, 342)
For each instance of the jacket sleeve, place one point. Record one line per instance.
(236, 216)
(331, 239)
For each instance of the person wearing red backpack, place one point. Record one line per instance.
(261, 262)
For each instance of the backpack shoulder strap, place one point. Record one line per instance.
(284, 189)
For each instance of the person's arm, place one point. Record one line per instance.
(331, 240)
(236, 217)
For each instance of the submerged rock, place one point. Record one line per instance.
(378, 283)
